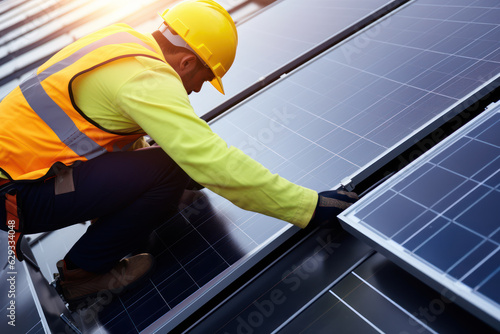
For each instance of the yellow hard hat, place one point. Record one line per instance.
(210, 32)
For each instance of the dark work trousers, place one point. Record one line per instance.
(131, 194)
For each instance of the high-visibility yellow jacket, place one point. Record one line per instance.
(67, 112)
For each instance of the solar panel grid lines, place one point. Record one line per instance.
(292, 144)
(305, 127)
(440, 215)
(292, 147)
(426, 98)
(275, 32)
(56, 26)
(219, 236)
(188, 257)
(377, 290)
(410, 320)
(19, 306)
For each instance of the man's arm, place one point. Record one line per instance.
(157, 101)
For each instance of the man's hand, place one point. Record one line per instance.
(330, 204)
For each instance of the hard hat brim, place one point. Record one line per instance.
(217, 83)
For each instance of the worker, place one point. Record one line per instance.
(72, 146)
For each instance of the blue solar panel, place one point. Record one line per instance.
(212, 236)
(19, 313)
(278, 35)
(316, 126)
(441, 215)
(335, 114)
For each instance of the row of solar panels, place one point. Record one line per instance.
(350, 109)
(256, 34)
(31, 31)
(267, 126)
(439, 221)
(347, 112)
(440, 216)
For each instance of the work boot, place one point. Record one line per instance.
(80, 288)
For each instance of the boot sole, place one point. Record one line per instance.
(91, 298)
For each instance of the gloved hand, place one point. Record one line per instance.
(330, 204)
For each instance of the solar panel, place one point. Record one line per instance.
(19, 312)
(353, 104)
(211, 236)
(315, 127)
(279, 34)
(440, 216)
(337, 113)
(373, 292)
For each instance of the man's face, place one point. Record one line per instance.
(195, 78)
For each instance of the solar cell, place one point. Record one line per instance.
(440, 215)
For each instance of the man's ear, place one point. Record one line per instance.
(187, 63)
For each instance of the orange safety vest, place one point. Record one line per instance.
(40, 123)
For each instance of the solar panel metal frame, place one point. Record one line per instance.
(403, 258)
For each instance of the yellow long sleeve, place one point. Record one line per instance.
(141, 93)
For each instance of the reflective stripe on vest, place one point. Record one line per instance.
(56, 118)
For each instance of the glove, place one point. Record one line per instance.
(330, 204)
